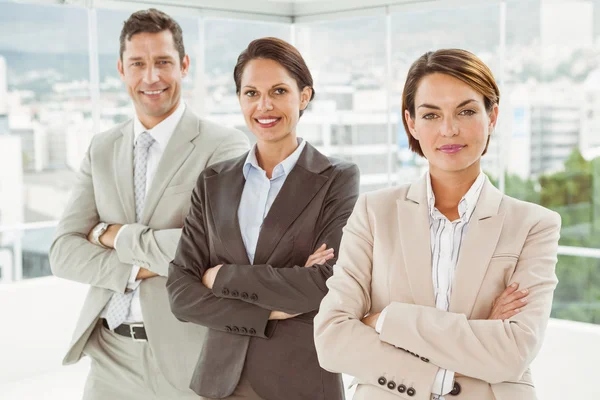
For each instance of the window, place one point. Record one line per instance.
(44, 112)
(348, 62)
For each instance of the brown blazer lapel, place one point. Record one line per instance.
(300, 187)
(477, 249)
(123, 170)
(413, 223)
(224, 192)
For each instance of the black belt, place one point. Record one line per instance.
(136, 332)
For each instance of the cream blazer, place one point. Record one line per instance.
(385, 260)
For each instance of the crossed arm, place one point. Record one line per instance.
(285, 292)
(491, 350)
(72, 255)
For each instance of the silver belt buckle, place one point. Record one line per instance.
(132, 332)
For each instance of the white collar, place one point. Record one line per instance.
(467, 204)
(283, 168)
(163, 131)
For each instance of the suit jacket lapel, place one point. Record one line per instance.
(178, 149)
(123, 170)
(224, 192)
(300, 187)
(413, 222)
(477, 249)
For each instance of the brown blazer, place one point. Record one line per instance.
(279, 356)
(385, 259)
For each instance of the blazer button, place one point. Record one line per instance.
(235, 293)
(252, 331)
(236, 329)
(456, 389)
(228, 328)
(424, 359)
(411, 392)
(401, 388)
(382, 381)
(243, 330)
(254, 297)
(225, 292)
(391, 385)
(244, 295)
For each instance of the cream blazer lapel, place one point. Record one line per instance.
(477, 249)
(414, 237)
(123, 170)
(176, 153)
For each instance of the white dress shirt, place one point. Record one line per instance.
(446, 239)
(259, 194)
(161, 134)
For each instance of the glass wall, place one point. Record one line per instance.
(348, 118)
(44, 105)
(546, 56)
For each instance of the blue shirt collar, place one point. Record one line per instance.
(283, 168)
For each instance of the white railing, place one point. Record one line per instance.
(11, 267)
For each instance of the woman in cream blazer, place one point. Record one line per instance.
(443, 288)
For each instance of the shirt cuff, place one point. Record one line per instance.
(379, 324)
(132, 283)
(444, 382)
(117, 236)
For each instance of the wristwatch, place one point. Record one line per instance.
(97, 232)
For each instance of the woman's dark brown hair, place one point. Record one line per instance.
(458, 63)
(278, 50)
(151, 21)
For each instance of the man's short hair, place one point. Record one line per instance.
(151, 21)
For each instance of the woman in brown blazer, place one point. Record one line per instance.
(241, 267)
(443, 287)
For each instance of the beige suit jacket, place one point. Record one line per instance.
(385, 260)
(104, 192)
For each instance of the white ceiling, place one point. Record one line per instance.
(287, 8)
(267, 10)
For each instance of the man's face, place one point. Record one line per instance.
(152, 72)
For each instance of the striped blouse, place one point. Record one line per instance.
(446, 240)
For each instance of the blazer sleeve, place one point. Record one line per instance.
(154, 249)
(71, 255)
(344, 344)
(298, 289)
(490, 350)
(190, 300)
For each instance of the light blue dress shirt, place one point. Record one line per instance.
(259, 194)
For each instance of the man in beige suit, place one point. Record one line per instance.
(122, 225)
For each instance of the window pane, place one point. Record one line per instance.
(577, 296)
(348, 118)
(44, 104)
(470, 27)
(552, 98)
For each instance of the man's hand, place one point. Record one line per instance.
(320, 256)
(509, 303)
(281, 315)
(371, 320)
(108, 237)
(144, 273)
(208, 279)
